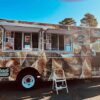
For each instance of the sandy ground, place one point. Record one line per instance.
(78, 90)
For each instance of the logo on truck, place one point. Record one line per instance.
(4, 72)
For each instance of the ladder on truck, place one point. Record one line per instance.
(59, 80)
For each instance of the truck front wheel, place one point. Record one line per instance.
(27, 81)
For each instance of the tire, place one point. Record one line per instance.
(27, 81)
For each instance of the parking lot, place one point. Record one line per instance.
(78, 90)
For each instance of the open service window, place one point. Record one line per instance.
(24, 38)
(58, 40)
(54, 42)
(13, 41)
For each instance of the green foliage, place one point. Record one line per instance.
(68, 21)
(89, 20)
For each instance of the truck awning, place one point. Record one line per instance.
(59, 31)
(21, 28)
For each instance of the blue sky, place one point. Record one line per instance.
(48, 11)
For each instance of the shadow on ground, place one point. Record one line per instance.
(78, 90)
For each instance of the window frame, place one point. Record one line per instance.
(58, 44)
(22, 50)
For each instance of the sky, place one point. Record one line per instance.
(48, 11)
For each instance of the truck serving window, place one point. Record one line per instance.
(13, 41)
(20, 41)
(54, 42)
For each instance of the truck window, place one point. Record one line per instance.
(9, 41)
(54, 42)
(57, 42)
(18, 41)
(27, 43)
(68, 44)
(35, 40)
(13, 41)
(47, 41)
(61, 42)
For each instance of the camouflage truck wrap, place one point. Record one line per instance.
(78, 54)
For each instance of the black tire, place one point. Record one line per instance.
(27, 81)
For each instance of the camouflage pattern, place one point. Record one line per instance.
(82, 62)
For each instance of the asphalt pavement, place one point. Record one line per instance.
(78, 90)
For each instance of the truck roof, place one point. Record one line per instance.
(38, 24)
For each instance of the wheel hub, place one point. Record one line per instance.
(28, 81)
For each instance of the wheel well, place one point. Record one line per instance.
(26, 70)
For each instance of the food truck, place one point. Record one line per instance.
(28, 50)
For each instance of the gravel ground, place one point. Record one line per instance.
(78, 90)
